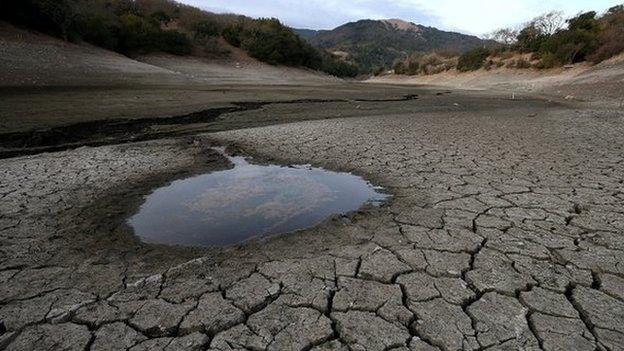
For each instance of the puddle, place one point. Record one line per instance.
(248, 201)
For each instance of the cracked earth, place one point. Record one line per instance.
(505, 232)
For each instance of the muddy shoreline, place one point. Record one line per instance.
(126, 130)
(117, 131)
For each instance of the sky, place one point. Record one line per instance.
(468, 16)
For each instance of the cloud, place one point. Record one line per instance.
(474, 16)
(314, 14)
(482, 16)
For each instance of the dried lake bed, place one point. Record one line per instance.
(504, 232)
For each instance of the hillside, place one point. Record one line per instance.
(134, 28)
(34, 59)
(380, 42)
(307, 34)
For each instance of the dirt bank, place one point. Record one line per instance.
(601, 84)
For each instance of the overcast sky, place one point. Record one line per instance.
(468, 16)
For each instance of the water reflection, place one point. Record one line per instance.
(230, 206)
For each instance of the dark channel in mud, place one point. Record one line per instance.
(116, 131)
(248, 201)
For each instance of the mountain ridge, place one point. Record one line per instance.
(372, 43)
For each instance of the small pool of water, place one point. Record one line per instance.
(248, 201)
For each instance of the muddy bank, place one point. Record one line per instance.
(240, 115)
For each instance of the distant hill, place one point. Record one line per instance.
(380, 42)
(307, 34)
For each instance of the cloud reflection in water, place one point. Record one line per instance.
(230, 206)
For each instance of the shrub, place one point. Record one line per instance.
(136, 34)
(435, 63)
(610, 43)
(522, 63)
(507, 54)
(160, 17)
(472, 60)
(548, 60)
(570, 46)
(162, 10)
(140, 35)
(492, 64)
(206, 29)
(232, 33)
(173, 42)
(412, 67)
(339, 68)
(101, 31)
(378, 70)
(399, 67)
(211, 47)
(488, 65)
(611, 39)
(429, 62)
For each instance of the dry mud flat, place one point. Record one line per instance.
(505, 233)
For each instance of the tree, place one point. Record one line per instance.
(412, 66)
(585, 21)
(617, 10)
(161, 17)
(530, 38)
(538, 30)
(505, 36)
(173, 42)
(611, 37)
(100, 29)
(549, 23)
(472, 60)
(206, 28)
(577, 42)
(55, 17)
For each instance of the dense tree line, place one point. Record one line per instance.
(268, 40)
(142, 26)
(118, 25)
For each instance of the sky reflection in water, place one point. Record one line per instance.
(231, 206)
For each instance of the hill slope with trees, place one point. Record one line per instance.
(372, 43)
(548, 41)
(136, 27)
